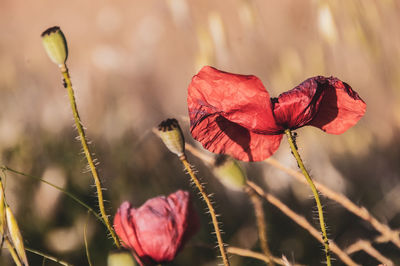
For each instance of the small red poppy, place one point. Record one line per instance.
(234, 114)
(159, 228)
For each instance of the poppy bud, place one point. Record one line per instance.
(159, 228)
(171, 134)
(16, 236)
(55, 45)
(120, 258)
(229, 172)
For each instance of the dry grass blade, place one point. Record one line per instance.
(85, 240)
(12, 252)
(368, 248)
(260, 218)
(251, 254)
(16, 236)
(361, 212)
(300, 220)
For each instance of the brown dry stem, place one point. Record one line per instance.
(361, 212)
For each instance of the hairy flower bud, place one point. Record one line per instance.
(16, 236)
(55, 45)
(171, 134)
(119, 258)
(228, 171)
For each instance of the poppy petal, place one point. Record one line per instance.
(326, 103)
(297, 107)
(125, 228)
(341, 108)
(161, 223)
(219, 135)
(242, 99)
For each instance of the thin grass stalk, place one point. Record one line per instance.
(300, 220)
(366, 246)
(65, 192)
(47, 256)
(260, 218)
(85, 240)
(361, 212)
(255, 255)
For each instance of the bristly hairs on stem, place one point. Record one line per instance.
(171, 134)
(208, 201)
(56, 47)
(300, 220)
(293, 147)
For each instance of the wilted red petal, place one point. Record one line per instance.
(159, 228)
(232, 114)
(126, 231)
(124, 228)
(161, 223)
(242, 99)
(219, 135)
(340, 108)
(297, 107)
(327, 103)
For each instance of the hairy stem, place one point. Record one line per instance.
(214, 219)
(88, 154)
(296, 154)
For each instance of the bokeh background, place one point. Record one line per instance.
(131, 63)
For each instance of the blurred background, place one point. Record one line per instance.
(131, 63)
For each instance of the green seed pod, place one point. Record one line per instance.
(171, 134)
(229, 173)
(55, 45)
(120, 258)
(16, 236)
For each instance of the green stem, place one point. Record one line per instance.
(86, 242)
(296, 154)
(49, 257)
(88, 154)
(68, 194)
(214, 219)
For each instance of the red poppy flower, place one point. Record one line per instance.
(159, 228)
(234, 114)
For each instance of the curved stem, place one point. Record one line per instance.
(49, 257)
(65, 192)
(85, 240)
(293, 147)
(214, 219)
(82, 136)
(262, 227)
